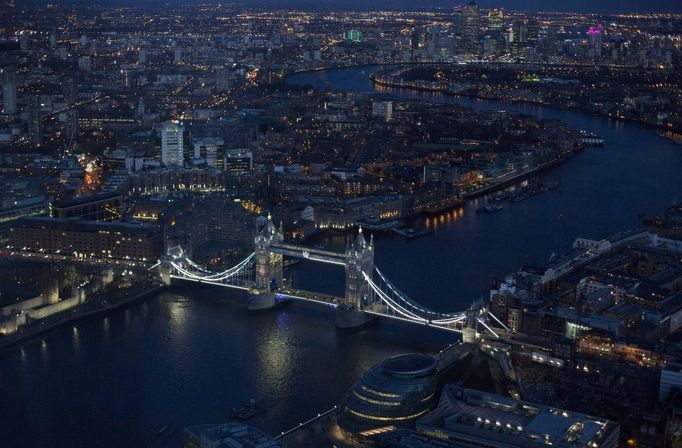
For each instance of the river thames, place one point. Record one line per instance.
(190, 355)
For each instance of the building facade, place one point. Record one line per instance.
(9, 91)
(172, 149)
(86, 240)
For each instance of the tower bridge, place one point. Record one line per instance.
(368, 292)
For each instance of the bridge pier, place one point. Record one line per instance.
(349, 318)
(358, 295)
(258, 299)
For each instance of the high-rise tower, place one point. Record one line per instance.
(471, 17)
(172, 149)
(9, 91)
(35, 127)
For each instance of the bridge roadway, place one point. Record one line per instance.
(309, 296)
(244, 285)
(378, 310)
(309, 253)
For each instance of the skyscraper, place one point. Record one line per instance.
(35, 128)
(383, 109)
(495, 19)
(533, 31)
(470, 34)
(223, 79)
(140, 108)
(70, 90)
(595, 35)
(172, 151)
(9, 91)
(354, 36)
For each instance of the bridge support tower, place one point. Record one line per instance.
(165, 271)
(358, 295)
(269, 269)
(473, 314)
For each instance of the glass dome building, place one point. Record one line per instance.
(395, 392)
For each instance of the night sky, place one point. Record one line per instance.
(600, 6)
(592, 6)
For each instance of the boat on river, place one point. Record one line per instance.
(248, 410)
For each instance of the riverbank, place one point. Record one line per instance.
(82, 312)
(442, 87)
(518, 177)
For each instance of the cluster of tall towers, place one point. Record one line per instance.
(8, 76)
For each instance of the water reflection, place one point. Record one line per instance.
(275, 357)
(446, 219)
(43, 352)
(177, 309)
(75, 339)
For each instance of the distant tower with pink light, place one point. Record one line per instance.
(595, 35)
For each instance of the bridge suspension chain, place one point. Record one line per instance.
(197, 266)
(215, 277)
(433, 316)
(391, 303)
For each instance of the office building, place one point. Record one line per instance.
(70, 90)
(671, 378)
(533, 31)
(85, 63)
(35, 126)
(206, 150)
(472, 418)
(9, 91)
(354, 36)
(495, 19)
(383, 109)
(172, 150)
(223, 79)
(471, 17)
(98, 207)
(227, 435)
(238, 161)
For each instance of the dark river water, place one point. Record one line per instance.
(190, 355)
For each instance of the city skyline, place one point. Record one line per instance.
(604, 7)
(302, 226)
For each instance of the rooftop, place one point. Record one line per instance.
(410, 365)
(231, 435)
(487, 416)
(84, 226)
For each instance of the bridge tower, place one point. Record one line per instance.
(358, 294)
(269, 268)
(173, 253)
(473, 314)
